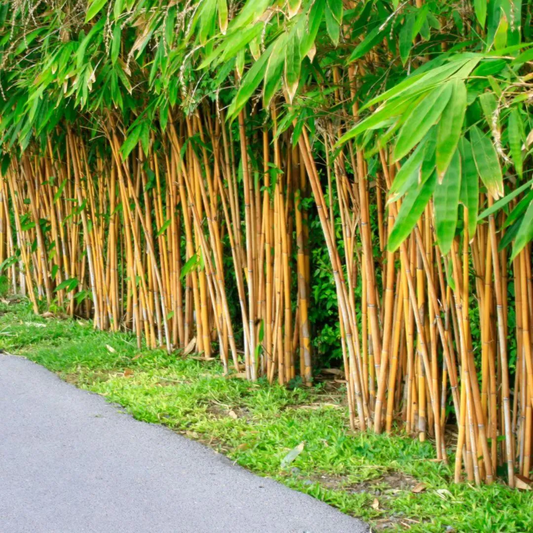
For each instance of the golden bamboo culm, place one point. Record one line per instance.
(200, 245)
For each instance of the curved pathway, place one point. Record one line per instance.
(72, 463)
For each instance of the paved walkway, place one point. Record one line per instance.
(72, 463)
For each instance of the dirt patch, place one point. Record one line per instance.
(383, 489)
(388, 483)
(392, 481)
(223, 411)
(73, 378)
(95, 376)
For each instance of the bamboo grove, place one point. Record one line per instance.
(208, 174)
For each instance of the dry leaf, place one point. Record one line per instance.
(334, 371)
(201, 358)
(375, 504)
(233, 415)
(529, 139)
(419, 488)
(190, 347)
(291, 456)
(523, 483)
(110, 349)
(128, 372)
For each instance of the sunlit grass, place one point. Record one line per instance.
(393, 482)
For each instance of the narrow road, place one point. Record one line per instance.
(72, 463)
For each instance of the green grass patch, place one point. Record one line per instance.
(391, 481)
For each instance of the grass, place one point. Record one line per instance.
(393, 482)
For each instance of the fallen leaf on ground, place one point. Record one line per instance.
(233, 415)
(291, 456)
(419, 488)
(110, 349)
(190, 347)
(523, 483)
(375, 504)
(334, 371)
(444, 493)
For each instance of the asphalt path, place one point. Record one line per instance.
(72, 463)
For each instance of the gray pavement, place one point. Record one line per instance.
(72, 463)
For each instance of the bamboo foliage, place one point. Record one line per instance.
(146, 186)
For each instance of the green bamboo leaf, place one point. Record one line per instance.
(372, 38)
(523, 57)
(489, 105)
(480, 8)
(223, 16)
(118, 8)
(251, 12)
(504, 201)
(170, 26)
(292, 65)
(312, 26)
(469, 195)
(421, 119)
(408, 173)
(515, 140)
(274, 70)
(207, 15)
(509, 235)
(525, 233)
(406, 37)
(6, 162)
(236, 42)
(164, 227)
(424, 81)
(336, 9)
(412, 208)
(131, 141)
(487, 162)
(68, 285)
(294, 7)
(332, 25)
(94, 7)
(500, 38)
(115, 43)
(446, 203)
(240, 61)
(191, 265)
(451, 126)
(80, 54)
(377, 119)
(59, 191)
(249, 84)
(519, 209)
